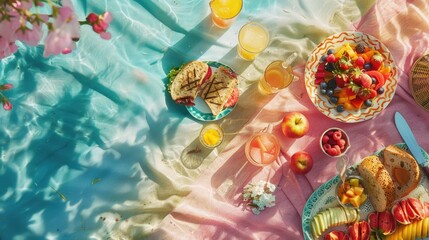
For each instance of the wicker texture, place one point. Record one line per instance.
(419, 81)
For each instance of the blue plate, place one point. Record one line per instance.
(200, 110)
(325, 197)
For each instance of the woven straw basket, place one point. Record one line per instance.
(419, 81)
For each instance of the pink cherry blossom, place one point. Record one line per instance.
(6, 86)
(6, 104)
(66, 29)
(100, 24)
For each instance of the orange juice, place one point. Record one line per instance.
(253, 38)
(262, 149)
(211, 136)
(276, 77)
(225, 11)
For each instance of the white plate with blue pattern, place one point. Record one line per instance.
(200, 110)
(325, 197)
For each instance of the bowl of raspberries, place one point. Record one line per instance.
(334, 142)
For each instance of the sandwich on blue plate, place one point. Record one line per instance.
(220, 91)
(186, 81)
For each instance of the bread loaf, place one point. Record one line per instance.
(378, 182)
(403, 169)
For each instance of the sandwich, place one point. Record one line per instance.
(187, 80)
(220, 91)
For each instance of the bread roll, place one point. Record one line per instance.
(378, 182)
(403, 169)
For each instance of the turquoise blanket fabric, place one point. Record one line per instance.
(91, 149)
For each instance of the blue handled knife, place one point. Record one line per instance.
(406, 134)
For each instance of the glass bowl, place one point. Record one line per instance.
(352, 193)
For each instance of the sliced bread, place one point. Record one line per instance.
(403, 168)
(379, 184)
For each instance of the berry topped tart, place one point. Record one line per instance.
(350, 77)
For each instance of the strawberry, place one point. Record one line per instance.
(372, 93)
(355, 75)
(360, 62)
(331, 58)
(366, 93)
(379, 77)
(376, 61)
(352, 89)
(365, 80)
(344, 63)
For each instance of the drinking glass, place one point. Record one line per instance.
(211, 135)
(262, 149)
(224, 12)
(253, 38)
(278, 75)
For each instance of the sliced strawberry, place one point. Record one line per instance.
(232, 99)
(379, 78)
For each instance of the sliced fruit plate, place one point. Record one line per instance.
(323, 214)
(351, 77)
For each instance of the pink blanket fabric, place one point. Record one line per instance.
(214, 210)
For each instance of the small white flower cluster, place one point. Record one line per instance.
(259, 196)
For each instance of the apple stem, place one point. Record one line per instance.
(298, 120)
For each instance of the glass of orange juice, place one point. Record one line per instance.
(262, 149)
(278, 75)
(253, 38)
(224, 12)
(211, 135)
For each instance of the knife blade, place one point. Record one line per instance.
(409, 139)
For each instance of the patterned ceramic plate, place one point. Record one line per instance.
(325, 197)
(322, 103)
(200, 110)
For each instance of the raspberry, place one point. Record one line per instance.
(360, 48)
(342, 143)
(331, 58)
(330, 133)
(333, 152)
(332, 141)
(326, 147)
(337, 148)
(337, 135)
(325, 139)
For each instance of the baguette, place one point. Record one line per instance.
(403, 168)
(378, 182)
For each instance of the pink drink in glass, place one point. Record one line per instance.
(262, 149)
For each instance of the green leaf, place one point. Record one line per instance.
(172, 74)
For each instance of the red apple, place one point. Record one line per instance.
(295, 125)
(301, 162)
